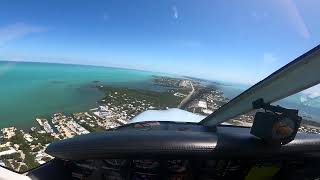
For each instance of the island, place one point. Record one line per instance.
(21, 150)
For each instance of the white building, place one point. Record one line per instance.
(184, 83)
(28, 137)
(47, 127)
(7, 152)
(202, 104)
(207, 111)
(45, 124)
(8, 132)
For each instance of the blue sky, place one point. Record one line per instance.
(238, 41)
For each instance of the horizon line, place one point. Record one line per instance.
(127, 68)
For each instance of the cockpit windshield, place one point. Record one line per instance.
(69, 68)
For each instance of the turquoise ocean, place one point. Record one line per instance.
(30, 90)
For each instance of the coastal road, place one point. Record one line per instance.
(187, 98)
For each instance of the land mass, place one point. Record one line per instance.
(24, 149)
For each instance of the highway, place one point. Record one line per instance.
(187, 98)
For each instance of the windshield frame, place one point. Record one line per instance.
(294, 77)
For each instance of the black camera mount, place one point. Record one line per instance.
(276, 125)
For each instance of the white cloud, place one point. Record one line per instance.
(313, 91)
(310, 97)
(254, 14)
(314, 95)
(15, 31)
(290, 9)
(175, 12)
(105, 17)
(258, 15)
(269, 58)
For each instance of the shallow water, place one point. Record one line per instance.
(30, 90)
